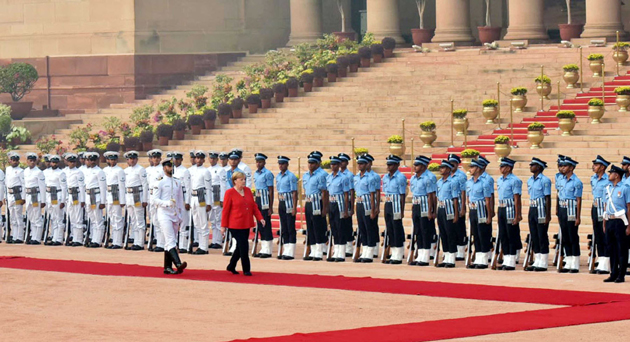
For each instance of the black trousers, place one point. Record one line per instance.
(264, 231)
(422, 229)
(376, 226)
(448, 233)
(336, 227)
(617, 242)
(538, 232)
(242, 249)
(598, 234)
(368, 232)
(346, 226)
(482, 233)
(461, 231)
(315, 226)
(395, 230)
(570, 237)
(287, 224)
(509, 234)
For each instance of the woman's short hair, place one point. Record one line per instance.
(236, 175)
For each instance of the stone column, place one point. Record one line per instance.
(383, 20)
(306, 21)
(603, 19)
(452, 21)
(526, 20)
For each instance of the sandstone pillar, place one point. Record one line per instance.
(306, 21)
(383, 20)
(603, 19)
(526, 20)
(452, 21)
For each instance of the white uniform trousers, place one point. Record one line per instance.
(75, 215)
(215, 223)
(116, 223)
(159, 237)
(34, 216)
(200, 219)
(184, 231)
(55, 222)
(169, 233)
(137, 224)
(17, 221)
(97, 226)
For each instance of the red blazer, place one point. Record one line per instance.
(239, 211)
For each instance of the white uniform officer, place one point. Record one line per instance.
(168, 198)
(2, 196)
(35, 189)
(215, 213)
(76, 198)
(137, 198)
(201, 185)
(181, 173)
(243, 167)
(95, 189)
(154, 172)
(16, 194)
(56, 196)
(116, 199)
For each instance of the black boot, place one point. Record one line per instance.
(168, 265)
(181, 266)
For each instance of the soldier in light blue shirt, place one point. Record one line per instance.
(479, 197)
(625, 165)
(448, 196)
(539, 189)
(570, 198)
(263, 182)
(365, 187)
(599, 182)
(616, 219)
(346, 223)
(461, 178)
(376, 210)
(395, 189)
(286, 185)
(316, 208)
(510, 189)
(338, 186)
(423, 186)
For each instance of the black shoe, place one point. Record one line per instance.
(609, 280)
(367, 260)
(450, 266)
(183, 251)
(413, 263)
(158, 249)
(574, 271)
(529, 268)
(136, 248)
(200, 251)
(395, 262)
(358, 260)
(195, 244)
(18, 241)
(233, 270)
(500, 268)
(331, 259)
(473, 266)
(317, 259)
(33, 242)
(169, 271)
(286, 257)
(592, 272)
(308, 258)
(264, 256)
(227, 254)
(459, 259)
(441, 265)
(181, 266)
(94, 245)
(340, 259)
(481, 267)
(348, 255)
(257, 255)
(249, 274)
(602, 272)
(76, 244)
(56, 243)
(620, 280)
(48, 243)
(564, 270)
(509, 268)
(115, 247)
(215, 246)
(540, 269)
(423, 264)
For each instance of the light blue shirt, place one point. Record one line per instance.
(570, 188)
(395, 184)
(489, 180)
(598, 185)
(423, 185)
(313, 183)
(509, 186)
(461, 179)
(559, 181)
(230, 172)
(447, 189)
(286, 182)
(376, 178)
(477, 190)
(263, 179)
(538, 187)
(365, 184)
(337, 183)
(348, 174)
(619, 195)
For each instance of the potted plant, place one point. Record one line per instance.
(428, 135)
(164, 133)
(112, 146)
(571, 75)
(366, 54)
(569, 30)
(292, 85)
(596, 63)
(132, 143)
(543, 86)
(195, 122)
(396, 145)
(306, 77)
(490, 110)
(621, 53)
(354, 60)
(331, 69)
(342, 66)
(18, 135)
(318, 76)
(467, 156)
(460, 123)
(325, 164)
(224, 111)
(179, 129)
(435, 169)
(17, 80)
(623, 98)
(253, 101)
(502, 146)
(519, 98)
(265, 97)
(358, 151)
(421, 35)
(595, 110)
(389, 44)
(146, 138)
(278, 92)
(237, 107)
(489, 34)
(209, 117)
(378, 52)
(343, 35)
(566, 121)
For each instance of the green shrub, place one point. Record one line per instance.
(490, 103)
(428, 126)
(621, 45)
(536, 126)
(470, 153)
(17, 79)
(501, 139)
(571, 67)
(460, 113)
(325, 164)
(565, 114)
(519, 91)
(595, 57)
(622, 90)
(543, 79)
(596, 102)
(434, 167)
(360, 151)
(395, 139)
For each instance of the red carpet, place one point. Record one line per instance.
(585, 307)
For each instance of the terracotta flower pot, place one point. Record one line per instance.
(224, 119)
(332, 77)
(147, 146)
(253, 108)
(422, 35)
(293, 92)
(342, 72)
(179, 135)
(365, 62)
(237, 113)
(209, 124)
(353, 67)
(570, 31)
(195, 129)
(19, 109)
(279, 97)
(163, 141)
(343, 36)
(389, 53)
(308, 87)
(266, 103)
(489, 34)
(377, 58)
(318, 82)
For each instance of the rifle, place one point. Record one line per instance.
(412, 246)
(385, 244)
(7, 232)
(86, 235)
(126, 230)
(529, 254)
(226, 242)
(255, 240)
(330, 245)
(470, 257)
(108, 228)
(68, 232)
(307, 247)
(557, 248)
(559, 253)
(591, 252)
(191, 235)
(46, 226)
(437, 251)
(280, 244)
(27, 235)
(497, 254)
(151, 233)
(356, 252)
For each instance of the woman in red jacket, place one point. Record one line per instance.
(239, 209)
